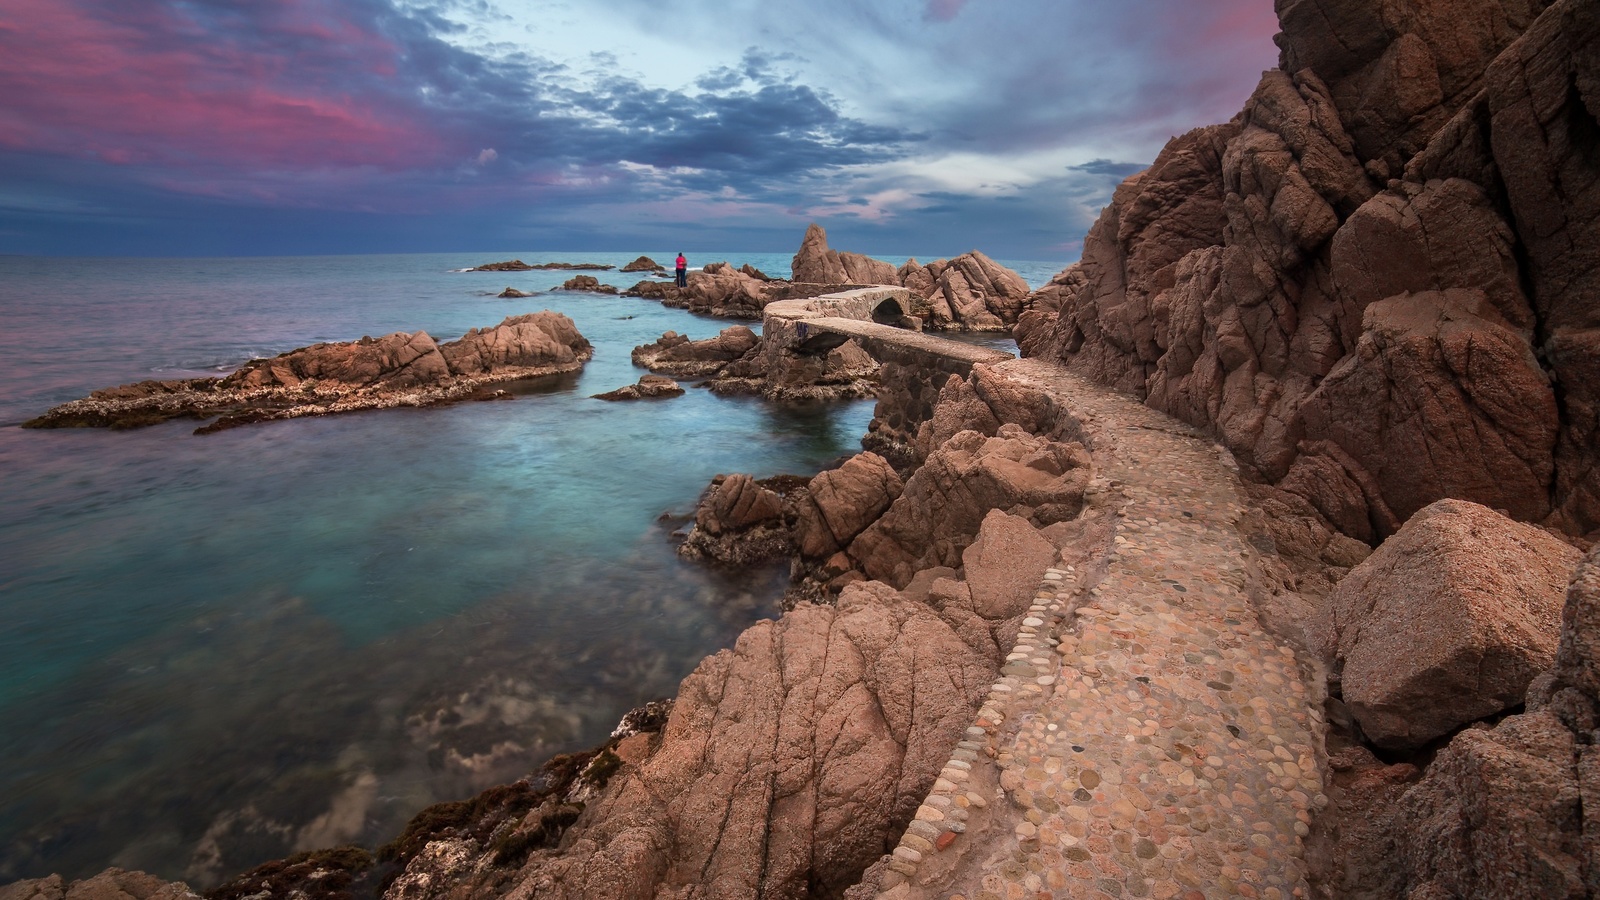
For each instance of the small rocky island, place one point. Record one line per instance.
(397, 369)
(517, 265)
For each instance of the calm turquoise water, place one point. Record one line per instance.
(216, 650)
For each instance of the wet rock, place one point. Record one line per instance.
(739, 522)
(512, 293)
(1447, 622)
(650, 387)
(396, 360)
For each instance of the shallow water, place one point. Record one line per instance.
(216, 650)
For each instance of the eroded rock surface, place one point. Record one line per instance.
(676, 355)
(1377, 284)
(649, 387)
(112, 884)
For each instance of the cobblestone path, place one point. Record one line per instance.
(1147, 738)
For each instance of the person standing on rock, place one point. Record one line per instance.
(683, 270)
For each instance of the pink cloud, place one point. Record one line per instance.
(155, 87)
(942, 10)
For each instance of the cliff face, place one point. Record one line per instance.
(1379, 285)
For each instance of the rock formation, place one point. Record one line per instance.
(1377, 284)
(650, 387)
(674, 354)
(969, 293)
(1446, 623)
(741, 521)
(642, 264)
(511, 293)
(398, 369)
(587, 283)
(517, 265)
(112, 884)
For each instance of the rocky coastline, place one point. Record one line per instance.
(1334, 363)
(396, 370)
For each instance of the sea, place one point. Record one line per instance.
(216, 650)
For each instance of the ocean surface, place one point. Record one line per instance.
(217, 650)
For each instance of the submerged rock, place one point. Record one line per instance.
(513, 293)
(650, 387)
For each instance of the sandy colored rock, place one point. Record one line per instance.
(1447, 622)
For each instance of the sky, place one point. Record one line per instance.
(904, 127)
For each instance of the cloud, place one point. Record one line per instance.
(561, 113)
(942, 10)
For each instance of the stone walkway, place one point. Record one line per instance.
(1147, 738)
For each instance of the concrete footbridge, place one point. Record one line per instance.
(879, 319)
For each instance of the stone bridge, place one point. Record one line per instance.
(914, 365)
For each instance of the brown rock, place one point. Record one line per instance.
(790, 762)
(674, 354)
(840, 503)
(1442, 399)
(650, 387)
(1499, 814)
(112, 884)
(738, 503)
(946, 500)
(1578, 658)
(587, 283)
(512, 293)
(1231, 284)
(1004, 565)
(396, 360)
(643, 264)
(533, 340)
(1447, 622)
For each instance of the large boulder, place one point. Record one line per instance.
(969, 293)
(944, 503)
(840, 503)
(1004, 565)
(1447, 622)
(534, 340)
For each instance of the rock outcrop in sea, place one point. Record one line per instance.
(1377, 285)
(968, 293)
(397, 369)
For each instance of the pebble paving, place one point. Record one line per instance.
(1146, 739)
